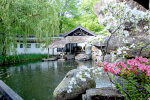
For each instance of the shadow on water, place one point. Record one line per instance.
(37, 80)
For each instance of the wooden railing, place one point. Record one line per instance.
(8, 93)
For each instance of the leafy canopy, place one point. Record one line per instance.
(37, 17)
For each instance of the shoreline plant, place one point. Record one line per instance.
(134, 77)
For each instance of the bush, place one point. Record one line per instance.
(20, 58)
(135, 77)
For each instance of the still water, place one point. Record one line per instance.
(37, 80)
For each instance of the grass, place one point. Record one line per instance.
(6, 60)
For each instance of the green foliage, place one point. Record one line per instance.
(85, 16)
(86, 6)
(38, 17)
(21, 58)
(133, 87)
(67, 9)
(90, 21)
(149, 60)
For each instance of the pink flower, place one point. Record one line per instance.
(136, 58)
(105, 63)
(105, 68)
(132, 67)
(148, 98)
(131, 61)
(143, 60)
(142, 67)
(111, 70)
(117, 71)
(122, 64)
(113, 65)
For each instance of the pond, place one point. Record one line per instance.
(37, 80)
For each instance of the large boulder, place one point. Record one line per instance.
(121, 59)
(60, 93)
(140, 39)
(98, 6)
(83, 56)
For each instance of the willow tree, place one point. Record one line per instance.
(39, 17)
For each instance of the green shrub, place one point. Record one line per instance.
(21, 58)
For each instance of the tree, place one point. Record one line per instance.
(122, 21)
(81, 13)
(37, 17)
(68, 8)
(86, 6)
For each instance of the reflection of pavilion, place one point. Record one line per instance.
(73, 42)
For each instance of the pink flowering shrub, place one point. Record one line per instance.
(135, 74)
(136, 66)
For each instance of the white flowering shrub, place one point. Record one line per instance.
(98, 39)
(84, 74)
(119, 17)
(122, 21)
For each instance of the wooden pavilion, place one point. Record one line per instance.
(70, 41)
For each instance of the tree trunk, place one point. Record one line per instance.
(60, 27)
(3, 45)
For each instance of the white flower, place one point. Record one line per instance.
(119, 52)
(132, 46)
(124, 51)
(70, 87)
(120, 49)
(69, 91)
(145, 27)
(87, 75)
(83, 79)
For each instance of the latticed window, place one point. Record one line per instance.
(21, 45)
(28, 45)
(37, 45)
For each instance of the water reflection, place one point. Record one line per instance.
(37, 81)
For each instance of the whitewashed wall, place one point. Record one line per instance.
(33, 49)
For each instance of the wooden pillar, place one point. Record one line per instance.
(53, 51)
(62, 53)
(48, 52)
(70, 48)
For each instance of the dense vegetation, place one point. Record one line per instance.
(26, 17)
(80, 12)
(21, 58)
(44, 18)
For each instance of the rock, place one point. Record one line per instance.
(82, 57)
(96, 54)
(142, 48)
(121, 59)
(60, 93)
(88, 49)
(70, 57)
(61, 60)
(102, 94)
(140, 37)
(98, 6)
